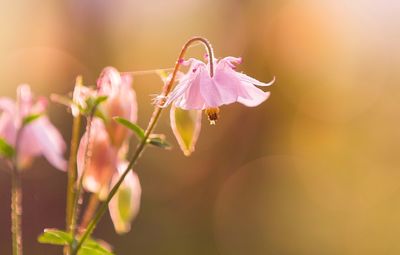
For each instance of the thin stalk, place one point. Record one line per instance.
(152, 123)
(71, 191)
(78, 195)
(16, 200)
(16, 212)
(89, 212)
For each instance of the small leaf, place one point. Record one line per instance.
(100, 99)
(159, 141)
(135, 128)
(186, 125)
(92, 103)
(6, 150)
(92, 247)
(55, 237)
(31, 118)
(62, 238)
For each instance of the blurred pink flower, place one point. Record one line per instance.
(37, 138)
(101, 162)
(197, 90)
(124, 206)
(79, 96)
(121, 102)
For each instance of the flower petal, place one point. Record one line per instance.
(246, 78)
(251, 96)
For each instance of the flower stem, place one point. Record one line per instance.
(16, 200)
(78, 195)
(89, 212)
(16, 212)
(72, 171)
(152, 123)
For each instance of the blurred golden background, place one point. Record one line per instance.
(314, 170)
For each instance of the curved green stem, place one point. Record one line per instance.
(152, 123)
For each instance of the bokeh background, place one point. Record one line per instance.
(314, 170)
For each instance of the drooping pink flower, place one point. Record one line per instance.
(197, 90)
(124, 206)
(101, 161)
(37, 138)
(121, 102)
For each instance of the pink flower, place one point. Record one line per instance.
(124, 206)
(121, 102)
(197, 90)
(37, 138)
(101, 163)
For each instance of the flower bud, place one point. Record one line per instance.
(100, 165)
(121, 102)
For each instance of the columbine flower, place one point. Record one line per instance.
(197, 90)
(37, 138)
(101, 160)
(124, 206)
(121, 102)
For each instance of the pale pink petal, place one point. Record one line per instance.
(251, 96)
(24, 100)
(109, 78)
(209, 90)
(51, 141)
(246, 78)
(8, 128)
(7, 105)
(7, 123)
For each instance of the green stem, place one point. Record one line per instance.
(89, 212)
(16, 212)
(153, 121)
(72, 171)
(16, 200)
(78, 195)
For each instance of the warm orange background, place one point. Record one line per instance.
(314, 170)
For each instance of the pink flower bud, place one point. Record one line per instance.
(121, 102)
(101, 161)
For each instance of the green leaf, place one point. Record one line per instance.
(92, 247)
(92, 103)
(55, 237)
(6, 150)
(31, 118)
(62, 238)
(135, 128)
(158, 140)
(186, 127)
